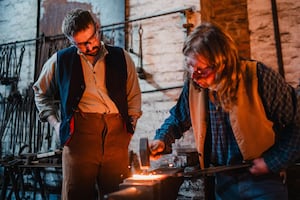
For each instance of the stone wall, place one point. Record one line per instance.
(231, 15)
(18, 22)
(262, 39)
(249, 22)
(162, 41)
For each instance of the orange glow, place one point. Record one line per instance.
(147, 177)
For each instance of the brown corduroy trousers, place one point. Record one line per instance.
(95, 161)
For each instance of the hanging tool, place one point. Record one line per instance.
(112, 37)
(130, 41)
(10, 64)
(140, 70)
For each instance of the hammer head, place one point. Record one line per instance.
(144, 153)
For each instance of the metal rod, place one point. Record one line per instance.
(162, 89)
(37, 35)
(150, 16)
(42, 37)
(277, 38)
(21, 41)
(105, 26)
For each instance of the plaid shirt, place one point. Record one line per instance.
(280, 103)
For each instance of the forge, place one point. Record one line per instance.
(159, 184)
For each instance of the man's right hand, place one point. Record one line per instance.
(55, 124)
(156, 147)
(56, 128)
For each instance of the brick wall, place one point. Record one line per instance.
(17, 23)
(162, 41)
(231, 15)
(249, 22)
(262, 35)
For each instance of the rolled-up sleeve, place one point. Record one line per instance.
(133, 89)
(282, 105)
(45, 90)
(178, 121)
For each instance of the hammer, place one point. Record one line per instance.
(144, 154)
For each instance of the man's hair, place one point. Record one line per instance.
(220, 51)
(76, 20)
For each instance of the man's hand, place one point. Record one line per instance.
(156, 147)
(55, 124)
(259, 167)
(56, 128)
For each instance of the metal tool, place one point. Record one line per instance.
(145, 164)
(213, 170)
(144, 154)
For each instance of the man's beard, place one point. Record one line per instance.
(95, 51)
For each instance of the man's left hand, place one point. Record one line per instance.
(259, 167)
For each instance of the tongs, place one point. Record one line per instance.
(212, 170)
